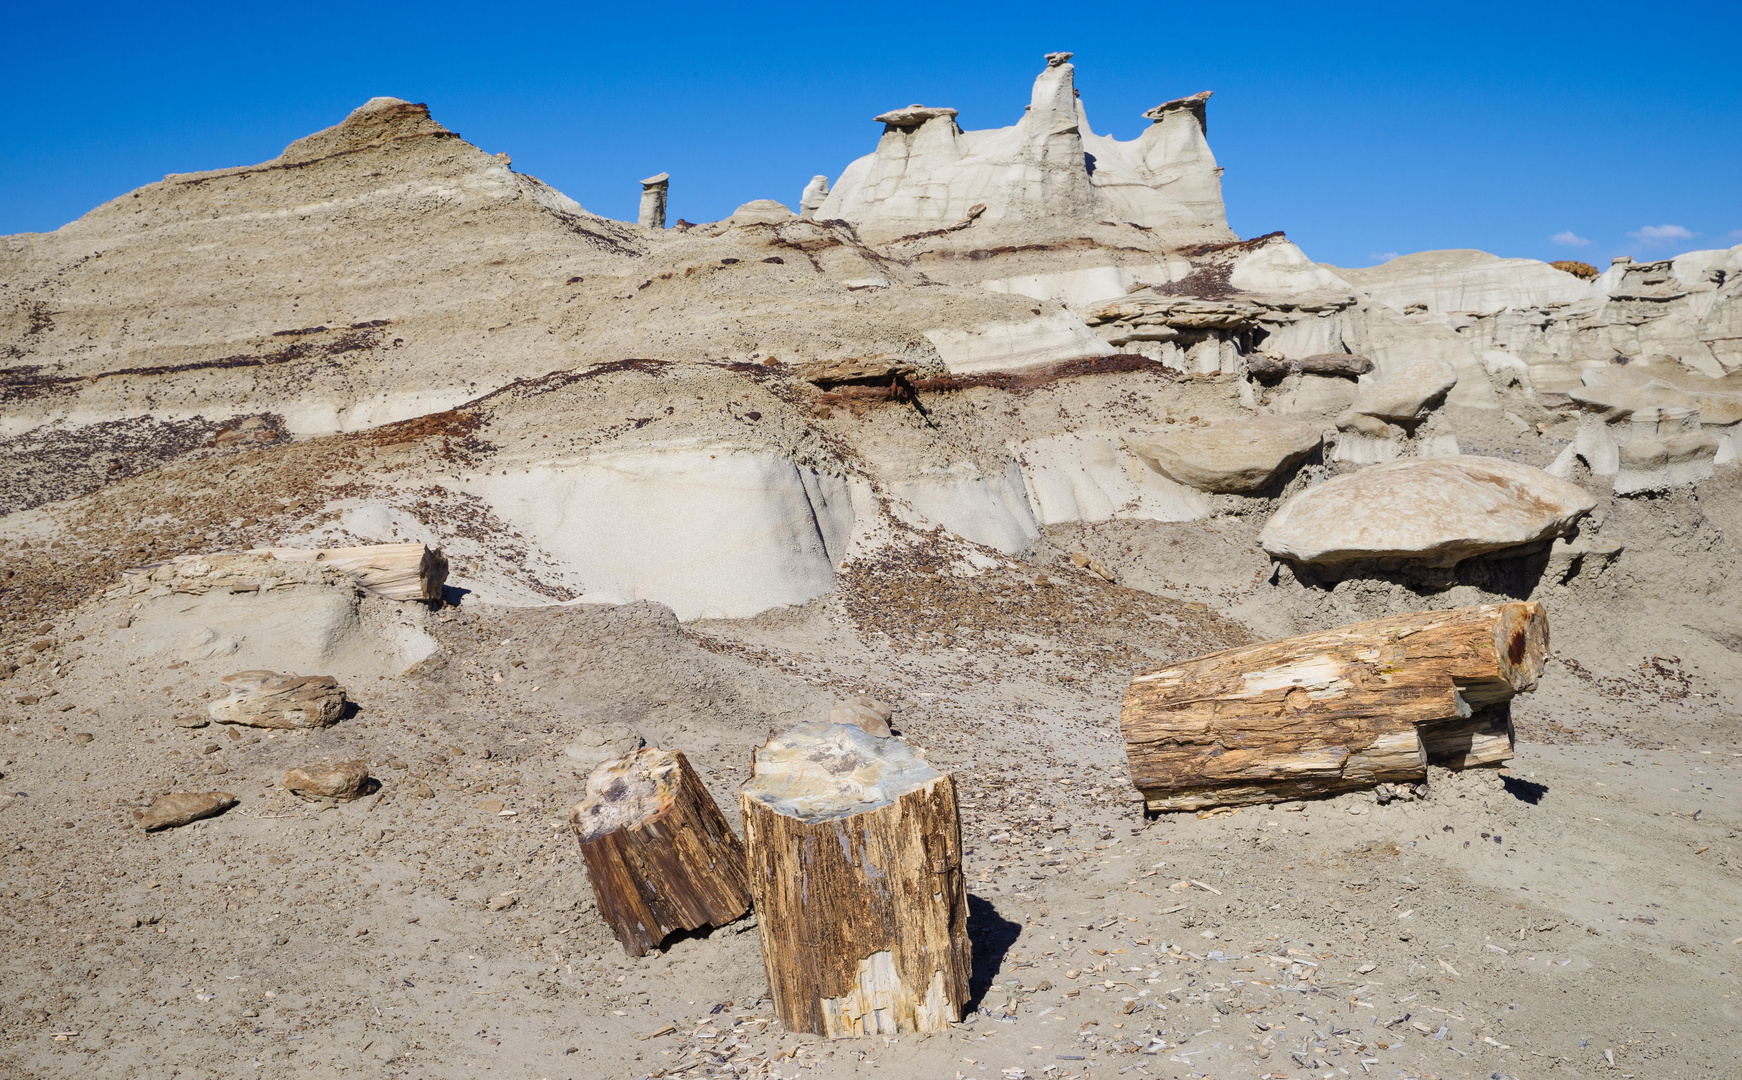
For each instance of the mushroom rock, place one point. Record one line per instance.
(1239, 455)
(1435, 511)
(1049, 166)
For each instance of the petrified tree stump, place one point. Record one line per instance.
(856, 866)
(1324, 712)
(658, 851)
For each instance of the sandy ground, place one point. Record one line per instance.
(1573, 915)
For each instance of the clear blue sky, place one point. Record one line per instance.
(1362, 130)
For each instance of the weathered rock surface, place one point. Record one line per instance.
(1463, 280)
(270, 700)
(182, 807)
(1015, 345)
(1646, 436)
(867, 714)
(761, 212)
(1403, 390)
(345, 780)
(1239, 455)
(1434, 511)
(593, 746)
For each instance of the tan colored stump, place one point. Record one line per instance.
(856, 866)
(658, 851)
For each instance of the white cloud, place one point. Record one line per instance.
(1569, 238)
(1662, 234)
(1382, 256)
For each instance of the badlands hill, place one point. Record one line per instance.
(997, 420)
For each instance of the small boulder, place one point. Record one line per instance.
(1239, 455)
(867, 714)
(344, 781)
(182, 807)
(1436, 511)
(270, 700)
(1405, 389)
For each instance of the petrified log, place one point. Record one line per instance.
(396, 571)
(1324, 712)
(270, 700)
(856, 868)
(658, 851)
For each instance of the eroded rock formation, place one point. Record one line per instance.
(1046, 168)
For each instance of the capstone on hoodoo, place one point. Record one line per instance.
(1049, 165)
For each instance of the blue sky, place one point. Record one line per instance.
(1361, 130)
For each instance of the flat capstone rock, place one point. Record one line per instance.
(1433, 511)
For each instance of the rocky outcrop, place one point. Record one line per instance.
(1644, 437)
(1017, 344)
(664, 520)
(1048, 167)
(1094, 475)
(1431, 511)
(1686, 310)
(1437, 282)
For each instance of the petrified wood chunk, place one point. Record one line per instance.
(658, 851)
(183, 807)
(270, 700)
(344, 781)
(396, 571)
(856, 867)
(1324, 712)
